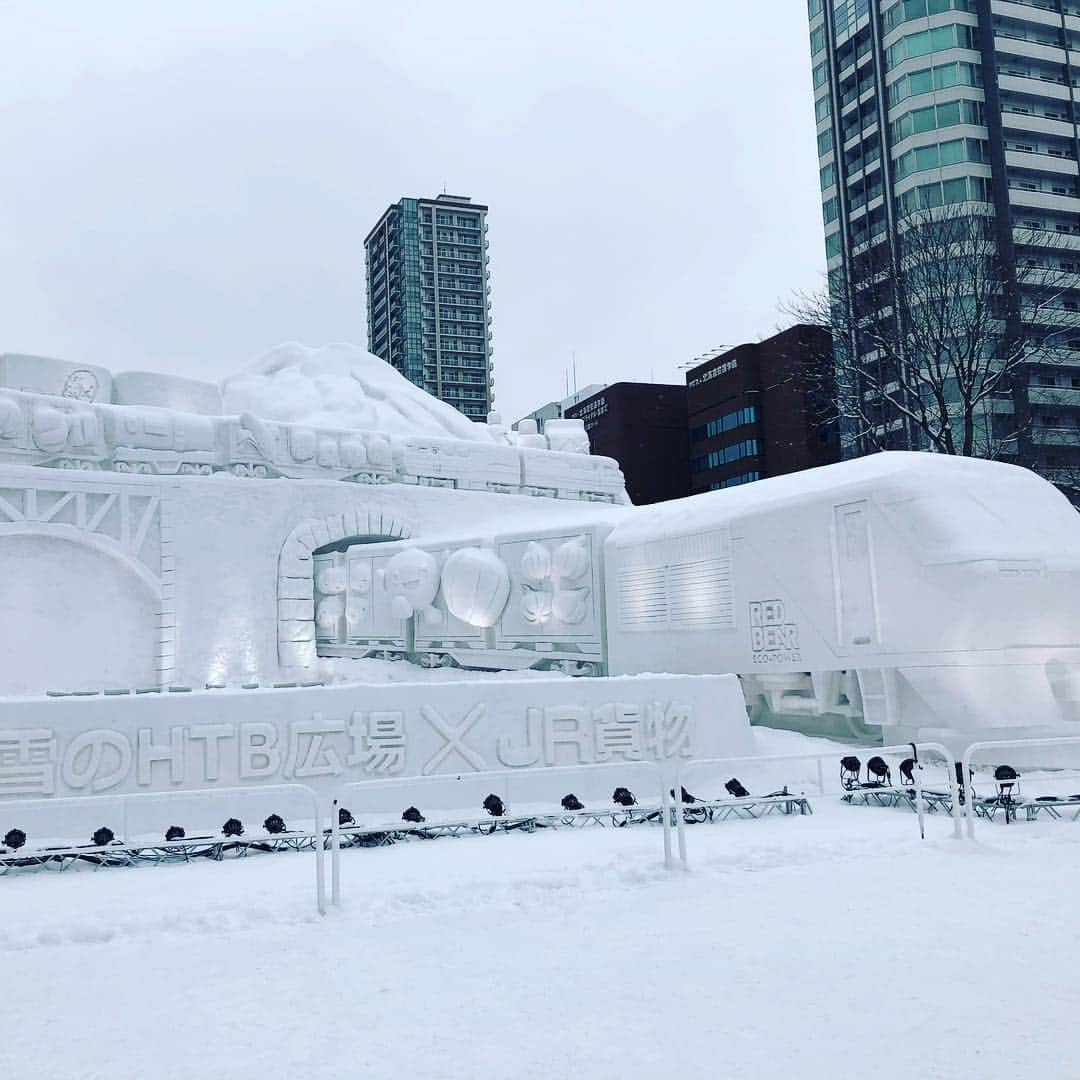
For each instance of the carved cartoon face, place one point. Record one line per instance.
(81, 385)
(413, 575)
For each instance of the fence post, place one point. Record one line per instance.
(335, 853)
(969, 785)
(820, 777)
(320, 872)
(920, 810)
(680, 818)
(665, 817)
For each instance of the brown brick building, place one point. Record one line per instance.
(643, 427)
(750, 414)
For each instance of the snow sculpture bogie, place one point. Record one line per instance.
(56, 432)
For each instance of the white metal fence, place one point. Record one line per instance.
(129, 805)
(767, 767)
(523, 792)
(534, 793)
(983, 749)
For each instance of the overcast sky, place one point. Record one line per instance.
(184, 185)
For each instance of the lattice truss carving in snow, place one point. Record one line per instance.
(127, 520)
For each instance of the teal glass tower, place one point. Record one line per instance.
(429, 299)
(971, 104)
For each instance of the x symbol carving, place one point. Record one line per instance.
(453, 736)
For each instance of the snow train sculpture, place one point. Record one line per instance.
(901, 591)
(70, 433)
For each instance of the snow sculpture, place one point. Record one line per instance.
(412, 579)
(80, 385)
(548, 591)
(330, 584)
(572, 559)
(59, 378)
(343, 386)
(11, 419)
(568, 436)
(49, 427)
(167, 392)
(527, 436)
(499, 431)
(476, 586)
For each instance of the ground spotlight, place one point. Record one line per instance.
(623, 797)
(685, 795)
(413, 815)
(103, 837)
(232, 827)
(274, 824)
(735, 789)
(572, 802)
(175, 832)
(14, 839)
(494, 806)
(344, 817)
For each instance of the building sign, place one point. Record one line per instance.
(329, 735)
(773, 640)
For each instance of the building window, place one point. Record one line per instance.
(715, 458)
(727, 422)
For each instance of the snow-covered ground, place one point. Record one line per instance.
(810, 947)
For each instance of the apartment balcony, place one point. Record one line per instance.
(1036, 161)
(1044, 200)
(1027, 12)
(1031, 50)
(1013, 120)
(1062, 397)
(1046, 238)
(1024, 84)
(1056, 436)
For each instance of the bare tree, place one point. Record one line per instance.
(935, 336)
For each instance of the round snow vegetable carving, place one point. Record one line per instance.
(572, 560)
(536, 562)
(536, 606)
(476, 586)
(50, 427)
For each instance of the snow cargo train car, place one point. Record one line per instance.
(508, 604)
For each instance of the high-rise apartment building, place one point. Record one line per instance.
(428, 298)
(970, 104)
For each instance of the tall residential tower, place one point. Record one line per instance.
(428, 298)
(972, 104)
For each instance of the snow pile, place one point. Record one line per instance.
(342, 386)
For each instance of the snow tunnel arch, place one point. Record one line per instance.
(296, 587)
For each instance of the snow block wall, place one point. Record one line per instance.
(324, 737)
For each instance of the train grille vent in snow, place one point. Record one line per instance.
(680, 593)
